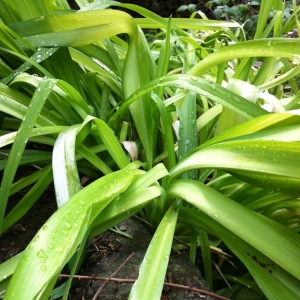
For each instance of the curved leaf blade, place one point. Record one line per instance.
(38, 100)
(57, 240)
(273, 164)
(153, 269)
(241, 221)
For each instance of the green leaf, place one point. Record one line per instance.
(153, 269)
(29, 199)
(32, 113)
(275, 282)
(200, 86)
(268, 164)
(57, 240)
(73, 29)
(269, 47)
(218, 13)
(65, 174)
(259, 127)
(29, 9)
(256, 231)
(112, 144)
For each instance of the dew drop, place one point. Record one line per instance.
(41, 254)
(26, 257)
(59, 250)
(194, 78)
(67, 225)
(36, 238)
(43, 268)
(50, 246)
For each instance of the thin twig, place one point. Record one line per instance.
(124, 280)
(149, 224)
(116, 271)
(226, 255)
(219, 270)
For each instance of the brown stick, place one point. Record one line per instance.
(115, 272)
(124, 280)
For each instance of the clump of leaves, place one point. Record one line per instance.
(199, 104)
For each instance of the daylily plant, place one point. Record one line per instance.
(197, 132)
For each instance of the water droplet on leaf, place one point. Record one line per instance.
(41, 254)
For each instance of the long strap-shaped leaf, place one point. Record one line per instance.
(257, 126)
(57, 240)
(112, 144)
(29, 199)
(244, 223)
(275, 282)
(200, 86)
(271, 47)
(61, 30)
(273, 164)
(153, 268)
(66, 178)
(32, 113)
(92, 26)
(29, 9)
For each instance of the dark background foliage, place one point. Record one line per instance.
(244, 12)
(170, 7)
